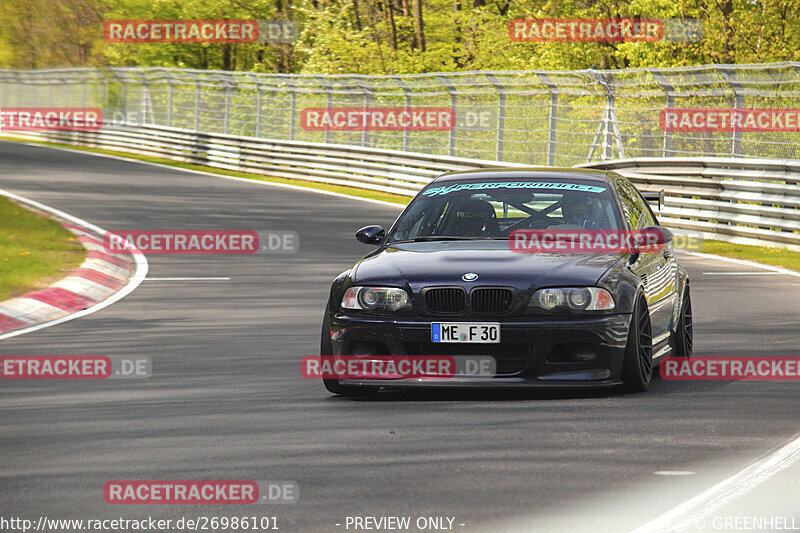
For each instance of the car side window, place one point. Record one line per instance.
(636, 211)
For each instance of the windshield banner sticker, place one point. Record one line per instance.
(513, 185)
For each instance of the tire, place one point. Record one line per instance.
(684, 338)
(637, 369)
(333, 386)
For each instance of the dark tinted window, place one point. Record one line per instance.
(494, 209)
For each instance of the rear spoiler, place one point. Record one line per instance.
(654, 196)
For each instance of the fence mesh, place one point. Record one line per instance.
(558, 118)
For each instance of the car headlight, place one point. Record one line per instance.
(572, 299)
(375, 298)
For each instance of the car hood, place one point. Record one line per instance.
(443, 263)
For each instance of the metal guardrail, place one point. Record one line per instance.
(747, 200)
(554, 118)
(390, 171)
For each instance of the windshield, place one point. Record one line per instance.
(492, 210)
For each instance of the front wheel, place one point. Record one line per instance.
(333, 385)
(683, 334)
(637, 370)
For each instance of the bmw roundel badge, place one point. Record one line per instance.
(469, 276)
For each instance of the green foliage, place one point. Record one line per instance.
(386, 37)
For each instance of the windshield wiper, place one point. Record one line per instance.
(430, 238)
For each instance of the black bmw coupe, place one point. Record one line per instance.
(445, 280)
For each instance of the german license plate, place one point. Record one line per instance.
(473, 332)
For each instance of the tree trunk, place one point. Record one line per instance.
(358, 18)
(390, 15)
(226, 57)
(419, 26)
(729, 50)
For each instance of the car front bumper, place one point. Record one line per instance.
(547, 352)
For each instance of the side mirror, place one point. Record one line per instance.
(668, 236)
(371, 235)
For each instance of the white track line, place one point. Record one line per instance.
(742, 262)
(692, 511)
(695, 509)
(743, 273)
(136, 279)
(187, 279)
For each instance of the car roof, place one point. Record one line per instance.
(550, 173)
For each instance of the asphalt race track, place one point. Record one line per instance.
(226, 399)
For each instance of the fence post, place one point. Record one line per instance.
(367, 96)
(553, 122)
(227, 127)
(501, 114)
(293, 114)
(196, 102)
(169, 104)
(736, 144)
(259, 102)
(125, 100)
(407, 92)
(669, 90)
(447, 83)
(328, 102)
(104, 93)
(292, 106)
(145, 97)
(609, 126)
(52, 95)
